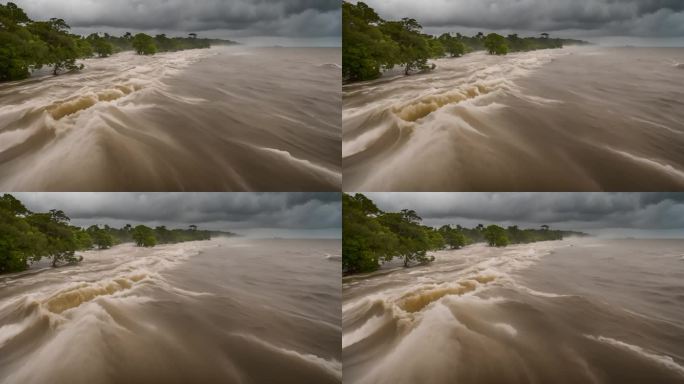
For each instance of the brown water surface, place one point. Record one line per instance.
(222, 119)
(220, 311)
(575, 119)
(572, 311)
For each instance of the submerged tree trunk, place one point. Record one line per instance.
(408, 70)
(54, 261)
(54, 71)
(406, 261)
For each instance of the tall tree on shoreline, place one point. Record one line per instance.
(366, 51)
(496, 44)
(144, 44)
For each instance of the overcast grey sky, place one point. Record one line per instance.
(609, 214)
(250, 214)
(258, 22)
(610, 22)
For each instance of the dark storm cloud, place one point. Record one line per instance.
(240, 18)
(650, 211)
(639, 18)
(229, 211)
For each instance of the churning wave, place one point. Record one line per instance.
(472, 317)
(199, 119)
(528, 121)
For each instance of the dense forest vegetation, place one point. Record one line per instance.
(371, 45)
(27, 237)
(27, 45)
(371, 237)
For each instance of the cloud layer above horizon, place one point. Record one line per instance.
(576, 18)
(269, 214)
(296, 20)
(581, 211)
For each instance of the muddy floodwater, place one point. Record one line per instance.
(572, 119)
(572, 311)
(219, 119)
(220, 311)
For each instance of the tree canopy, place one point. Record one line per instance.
(371, 45)
(496, 44)
(27, 45)
(144, 236)
(144, 44)
(371, 237)
(27, 237)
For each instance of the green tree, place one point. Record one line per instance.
(435, 47)
(82, 239)
(414, 49)
(366, 50)
(101, 238)
(496, 236)
(371, 236)
(61, 244)
(496, 44)
(414, 239)
(453, 237)
(26, 237)
(20, 243)
(62, 47)
(101, 46)
(366, 243)
(452, 45)
(144, 44)
(144, 236)
(20, 50)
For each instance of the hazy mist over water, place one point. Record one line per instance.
(572, 311)
(227, 118)
(220, 311)
(574, 119)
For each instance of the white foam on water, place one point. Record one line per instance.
(364, 331)
(490, 267)
(333, 257)
(305, 165)
(538, 293)
(332, 367)
(658, 125)
(507, 328)
(653, 164)
(449, 85)
(76, 293)
(90, 328)
(436, 351)
(79, 109)
(9, 331)
(361, 142)
(663, 360)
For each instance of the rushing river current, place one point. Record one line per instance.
(221, 311)
(226, 118)
(573, 311)
(572, 119)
